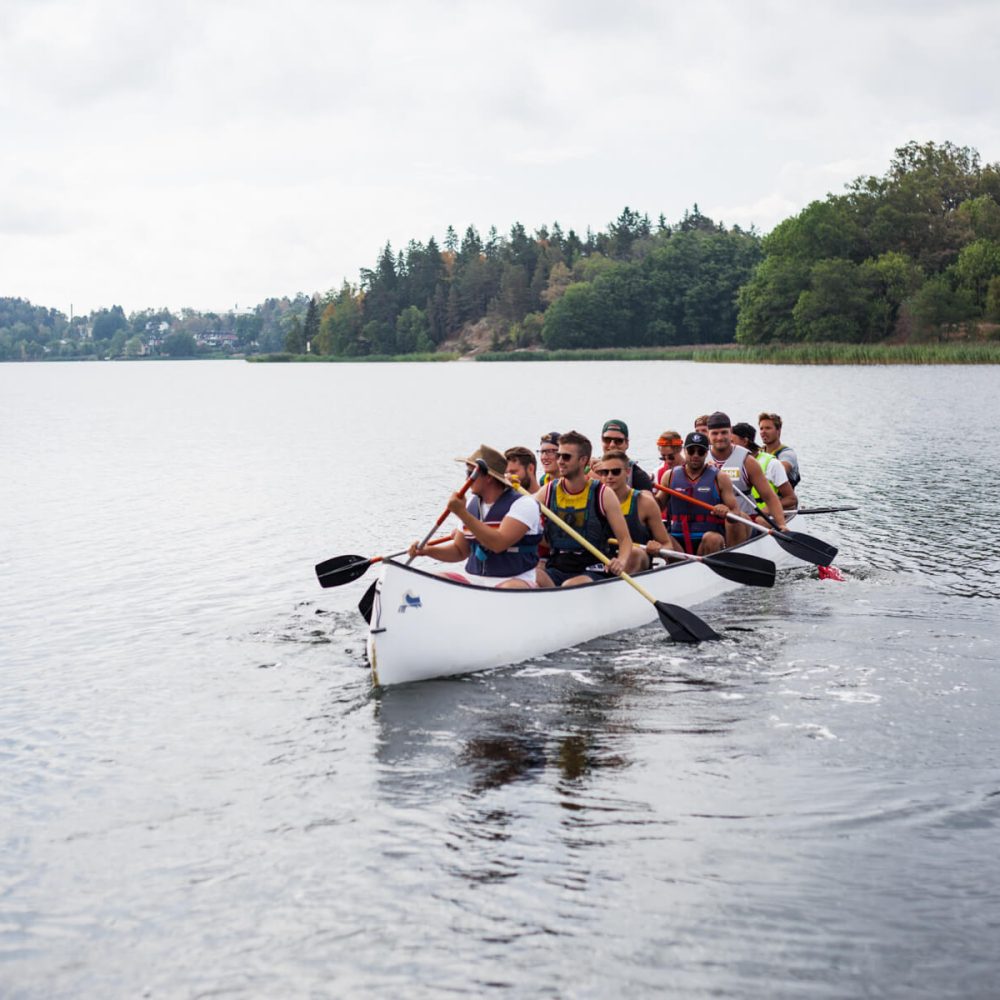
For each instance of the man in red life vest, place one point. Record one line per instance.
(671, 448)
(693, 529)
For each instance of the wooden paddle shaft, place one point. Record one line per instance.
(576, 536)
(444, 514)
(701, 503)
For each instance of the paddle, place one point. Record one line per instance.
(683, 625)
(339, 570)
(800, 545)
(740, 567)
(823, 552)
(479, 468)
(367, 601)
(820, 510)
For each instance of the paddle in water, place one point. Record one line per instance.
(339, 570)
(820, 510)
(740, 567)
(795, 543)
(683, 625)
(805, 547)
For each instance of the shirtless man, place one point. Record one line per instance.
(693, 529)
(744, 473)
(588, 507)
(640, 510)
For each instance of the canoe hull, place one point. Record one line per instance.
(426, 626)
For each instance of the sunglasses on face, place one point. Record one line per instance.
(607, 439)
(565, 456)
(610, 472)
(695, 450)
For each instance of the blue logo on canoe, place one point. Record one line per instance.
(410, 600)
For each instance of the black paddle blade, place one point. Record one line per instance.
(367, 603)
(341, 569)
(741, 567)
(824, 510)
(806, 548)
(684, 625)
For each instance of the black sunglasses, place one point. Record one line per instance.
(612, 440)
(610, 472)
(695, 450)
(565, 456)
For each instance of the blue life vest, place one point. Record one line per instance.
(514, 561)
(687, 518)
(581, 511)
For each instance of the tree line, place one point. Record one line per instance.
(915, 252)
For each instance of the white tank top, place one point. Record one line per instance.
(733, 468)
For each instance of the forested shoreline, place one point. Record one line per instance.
(910, 257)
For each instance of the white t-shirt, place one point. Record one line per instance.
(523, 509)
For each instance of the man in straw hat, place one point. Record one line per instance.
(502, 529)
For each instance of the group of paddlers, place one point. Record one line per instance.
(520, 529)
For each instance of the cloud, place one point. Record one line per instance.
(206, 153)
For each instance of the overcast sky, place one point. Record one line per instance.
(210, 154)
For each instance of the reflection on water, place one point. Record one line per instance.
(203, 796)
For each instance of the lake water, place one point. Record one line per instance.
(202, 796)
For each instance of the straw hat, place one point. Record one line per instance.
(496, 464)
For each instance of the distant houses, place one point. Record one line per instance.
(217, 340)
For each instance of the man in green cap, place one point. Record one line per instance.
(614, 437)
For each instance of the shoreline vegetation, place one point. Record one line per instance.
(960, 353)
(902, 268)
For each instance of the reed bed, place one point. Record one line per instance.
(976, 353)
(284, 357)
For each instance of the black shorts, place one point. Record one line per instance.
(560, 576)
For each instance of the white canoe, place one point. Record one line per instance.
(424, 625)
